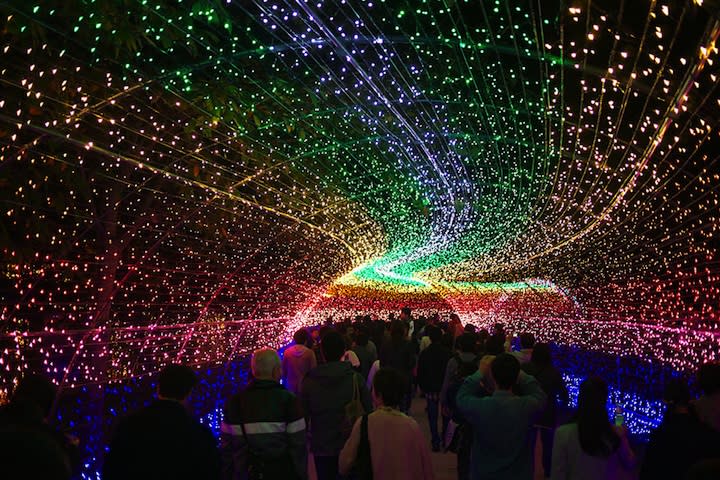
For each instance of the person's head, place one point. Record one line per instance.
(397, 330)
(527, 340)
(175, 382)
(596, 435)
(505, 369)
(708, 377)
(405, 313)
(324, 330)
(36, 389)
(676, 394)
(434, 333)
(265, 365)
(466, 343)
(362, 337)
(495, 345)
(333, 346)
(454, 319)
(300, 337)
(389, 386)
(541, 355)
(315, 334)
(469, 327)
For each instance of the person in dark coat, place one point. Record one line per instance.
(326, 391)
(163, 440)
(263, 426)
(399, 353)
(552, 383)
(365, 351)
(29, 446)
(681, 440)
(431, 373)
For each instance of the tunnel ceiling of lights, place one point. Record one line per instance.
(186, 180)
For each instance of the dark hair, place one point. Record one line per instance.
(541, 355)
(708, 377)
(36, 389)
(677, 393)
(362, 337)
(527, 340)
(406, 311)
(324, 330)
(176, 381)
(466, 343)
(397, 331)
(333, 346)
(469, 327)
(505, 369)
(434, 333)
(495, 345)
(390, 385)
(300, 337)
(595, 433)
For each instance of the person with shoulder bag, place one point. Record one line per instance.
(334, 396)
(387, 444)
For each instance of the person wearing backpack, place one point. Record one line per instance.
(462, 365)
(262, 435)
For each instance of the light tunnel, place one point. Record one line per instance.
(187, 181)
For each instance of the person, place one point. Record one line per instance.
(365, 351)
(431, 373)
(297, 361)
(397, 449)
(495, 345)
(502, 422)
(681, 440)
(462, 440)
(406, 318)
(456, 327)
(326, 392)
(398, 353)
(552, 383)
(163, 440)
(29, 446)
(527, 342)
(371, 374)
(263, 426)
(707, 405)
(590, 448)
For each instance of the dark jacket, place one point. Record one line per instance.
(431, 367)
(30, 448)
(275, 427)
(552, 383)
(326, 391)
(367, 357)
(398, 355)
(162, 441)
(680, 441)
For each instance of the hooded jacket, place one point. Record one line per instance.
(297, 361)
(326, 390)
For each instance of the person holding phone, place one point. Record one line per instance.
(591, 448)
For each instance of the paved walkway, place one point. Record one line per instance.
(444, 464)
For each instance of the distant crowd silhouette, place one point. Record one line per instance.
(336, 406)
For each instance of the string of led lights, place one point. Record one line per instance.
(189, 180)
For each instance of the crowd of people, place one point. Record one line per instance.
(336, 405)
